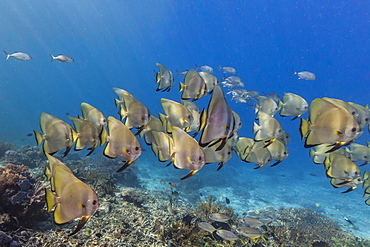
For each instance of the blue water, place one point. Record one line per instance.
(117, 43)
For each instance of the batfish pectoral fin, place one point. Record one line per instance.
(269, 143)
(127, 163)
(258, 167)
(276, 163)
(169, 163)
(190, 174)
(139, 130)
(67, 150)
(336, 146)
(92, 149)
(220, 165)
(365, 163)
(350, 189)
(81, 224)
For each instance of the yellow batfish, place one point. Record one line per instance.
(121, 143)
(154, 124)
(259, 154)
(164, 79)
(50, 170)
(221, 156)
(187, 154)
(359, 152)
(329, 124)
(268, 130)
(210, 80)
(319, 153)
(194, 86)
(278, 151)
(363, 117)
(243, 147)
(293, 105)
(87, 135)
(71, 199)
(339, 166)
(190, 105)
(57, 134)
(344, 183)
(220, 121)
(198, 117)
(162, 146)
(344, 105)
(132, 110)
(94, 116)
(177, 115)
(266, 105)
(284, 138)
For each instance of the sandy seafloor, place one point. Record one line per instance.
(249, 189)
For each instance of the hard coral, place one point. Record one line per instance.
(22, 197)
(132, 196)
(10, 175)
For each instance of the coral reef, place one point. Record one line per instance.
(22, 197)
(164, 220)
(7, 241)
(132, 196)
(5, 146)
(27, 155)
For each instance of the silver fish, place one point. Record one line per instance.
(205, 68)
(62, 58)
(229, 70)
(306, 75)
(20, 56)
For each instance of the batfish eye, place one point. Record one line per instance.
(94, 202)
(353, 129)
(366, 119)
(353, 113)
(200, 157)
(136, 148)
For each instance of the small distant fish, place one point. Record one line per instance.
(205, 68)
(248, 232)
(29, 134)
(181, 73)
(175, 193)
(227, 200)
(239, 99)
(306, 75)
(172, 184)
(253, 222)
(229, 70)
(207, 227)
(162, 181)
(219, 217)
(67, 113)
(62, 58)
(227, 235)
(20, 56)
